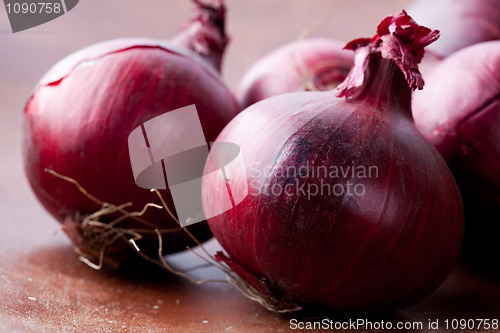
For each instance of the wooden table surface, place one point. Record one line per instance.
(43, 286)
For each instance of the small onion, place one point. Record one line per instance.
(308, 64)
(79, 117)
(348, 206)
(459, 112)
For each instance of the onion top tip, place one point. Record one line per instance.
(205, 33)
(400, 39)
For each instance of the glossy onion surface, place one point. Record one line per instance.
(348, 205)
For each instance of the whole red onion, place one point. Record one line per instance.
(308, 64)
(459, 112)
(79, 117)
(461, 22)
(348, 205)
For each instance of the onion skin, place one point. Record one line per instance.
(459, 113)
(308, 64)
(381, 251)
(205, 33)
(461, 22)
(79, 117)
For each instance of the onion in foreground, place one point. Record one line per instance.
(348, 206)
(79, 116)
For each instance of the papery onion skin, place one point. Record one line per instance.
(380, 251)
(461, 22)
(79, 117)
(308, 64)
(459, 113)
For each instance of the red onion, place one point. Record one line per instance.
(79, 117)
(461, 22)
(459, 112)
(348, 205)
(308, 64)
